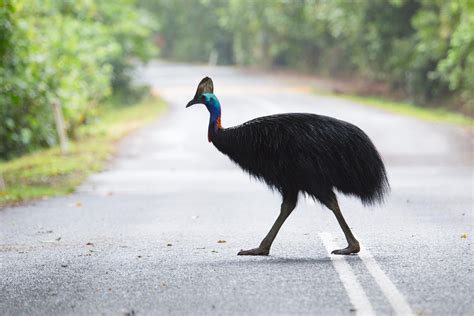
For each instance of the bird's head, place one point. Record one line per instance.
(204, 95)
(204, 90)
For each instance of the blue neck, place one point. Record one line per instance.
(214, 108)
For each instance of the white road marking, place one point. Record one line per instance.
(353, 288)
(355, 291)
(359, 300)
(396, 299)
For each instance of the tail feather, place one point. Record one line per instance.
(364, 175)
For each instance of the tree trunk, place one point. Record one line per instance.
(60, 127)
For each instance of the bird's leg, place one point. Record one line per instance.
(353, 246)
(288, 205)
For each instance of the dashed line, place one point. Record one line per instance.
(396, 299)
(353, 288)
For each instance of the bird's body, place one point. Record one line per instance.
(300, 152)
(309, 153)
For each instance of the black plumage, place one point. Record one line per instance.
(306, 153)
(300, 152)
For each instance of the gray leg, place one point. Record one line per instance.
(288, 205)
(353, 246)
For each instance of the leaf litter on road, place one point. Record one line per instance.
(52, 241)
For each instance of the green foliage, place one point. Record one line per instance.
(70, 51)
(432, 115)
(457, 67)
(422, 47)
(48, 172)
(190, 29)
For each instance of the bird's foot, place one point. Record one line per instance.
(353, 248)
(254, 252)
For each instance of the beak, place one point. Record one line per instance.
(193, 101)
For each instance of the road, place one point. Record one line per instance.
(142, 237)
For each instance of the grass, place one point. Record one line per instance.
(426, 114)
(48, 172)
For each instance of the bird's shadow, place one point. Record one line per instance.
(270, 260)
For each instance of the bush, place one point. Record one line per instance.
(70, 51)
(422, 47)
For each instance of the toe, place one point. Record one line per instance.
(345, 251)
(253, 252)
(339, 252)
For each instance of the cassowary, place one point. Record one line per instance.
(300, 152)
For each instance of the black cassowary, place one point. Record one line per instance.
(300, 152)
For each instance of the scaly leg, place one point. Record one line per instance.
(288, 205)
(353, 246)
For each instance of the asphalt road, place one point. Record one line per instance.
(143, 236)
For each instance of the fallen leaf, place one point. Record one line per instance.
(420, 312)
(464, 236)
(45, 232)
(53, 241)
(131, 313)
(78, 204)
(221, 241)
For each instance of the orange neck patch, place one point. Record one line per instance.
(216, 126)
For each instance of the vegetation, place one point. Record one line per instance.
(424, 48)
(75, 52)
(79, 53)
(50, 173)
(408, 109)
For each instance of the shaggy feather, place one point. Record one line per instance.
(307, 153)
